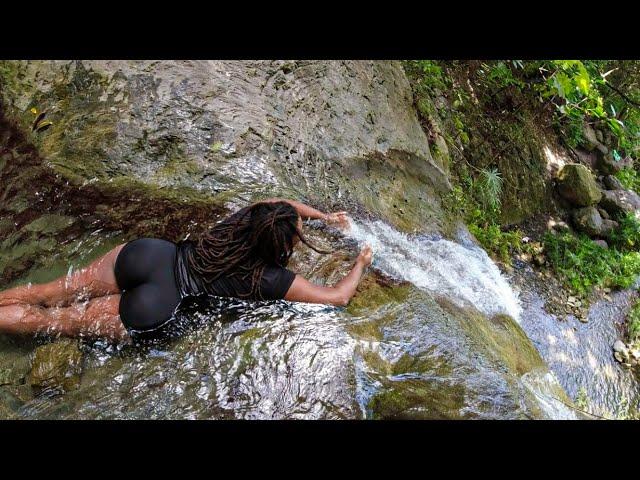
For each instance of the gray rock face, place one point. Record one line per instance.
(311, 129)
(601, 243)
(612, 183)
(599, 135)
(577, 185)
(588, 220)
(590, 137)
(620, 202)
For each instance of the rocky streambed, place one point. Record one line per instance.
(166, 148)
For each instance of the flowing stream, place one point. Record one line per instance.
(414, 353)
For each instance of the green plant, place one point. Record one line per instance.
(627, 236)
(489, 188)
(500, 74)
(582, 400)
(633, 323)
(477, 201)
(629, 178)
(432, 76)
(497, 241)
(583, 264)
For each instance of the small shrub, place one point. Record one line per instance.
(629, 179)
(633, 323)
(583, 264)
(627, 236)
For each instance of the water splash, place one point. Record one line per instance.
(460, 273)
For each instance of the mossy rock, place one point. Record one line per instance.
(56, 365)
(372, 294)
(577, 185)
(422, 364)
(367, 330)
(375, 362)
(418, 399)
(501, 336)
(48, 224)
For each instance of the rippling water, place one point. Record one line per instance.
(463, 273)
(581, 354)
(410, 356)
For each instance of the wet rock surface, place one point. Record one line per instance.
(252, 126)
(165, 149)
(56, 366)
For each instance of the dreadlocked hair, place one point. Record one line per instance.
(262, 235)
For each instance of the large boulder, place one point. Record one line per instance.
(620, 202)
(578, 186)
(319, 130)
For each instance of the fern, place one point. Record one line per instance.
(489, 188)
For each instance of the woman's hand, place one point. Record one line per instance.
(337, 218)
(366, 255)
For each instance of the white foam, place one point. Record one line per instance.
(463, 274)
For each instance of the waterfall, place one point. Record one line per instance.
(464, 274)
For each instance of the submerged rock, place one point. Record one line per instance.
(56, 365)
(577, 184)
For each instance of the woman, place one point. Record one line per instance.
(136, 287)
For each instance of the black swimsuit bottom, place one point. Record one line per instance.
(144, 271)
(154, 279)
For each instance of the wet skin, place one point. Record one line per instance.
(86, 303)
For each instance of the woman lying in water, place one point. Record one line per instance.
(136, 287)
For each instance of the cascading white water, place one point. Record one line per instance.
(461, 273)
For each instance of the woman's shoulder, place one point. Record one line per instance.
(276, 282)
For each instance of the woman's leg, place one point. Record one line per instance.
(95, 280)
(96, 318)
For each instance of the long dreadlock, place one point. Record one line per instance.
(262, 235)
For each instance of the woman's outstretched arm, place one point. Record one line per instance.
(301, 290)
(305, 211)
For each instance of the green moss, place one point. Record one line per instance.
(56, 365)
(424, 363)
(365, 330)
(502, 337)
(376, 363)
(371, 295)
(48, 224)
(418, 399)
